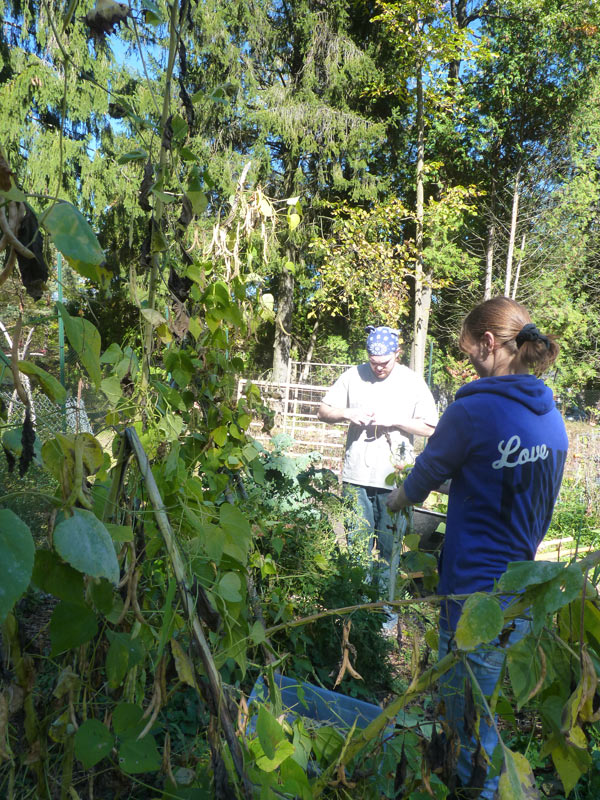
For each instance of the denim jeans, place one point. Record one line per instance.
(372, 525)
(486, 663)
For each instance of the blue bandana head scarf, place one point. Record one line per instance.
(382, 341)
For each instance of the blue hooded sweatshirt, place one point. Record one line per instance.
(503, 443)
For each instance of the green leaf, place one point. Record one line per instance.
(235, 646)
(83, 541)
(198, 201)
(52, 575)
(220, 435)
(166, 198)
(102, 595)
(85, 340)
(75, 239)
(270, 732)
(238, 534)
(13, 194)
(188, 155)
(93, 742)
(119, 533)
(133, 155)
(70, 626)
(50, 386)
(517, 781)
(282, 752)
(139, 755)
(481, 621)
(524, 668)
(179, 127)
(158, 241)
(243, 422)
(111, 387)
(123, 654)
(521, 574)
(294, 777)
(16, 559)
(327, 743)
(257, 633)
(167, 618)
(128, 720)
(151, 12)
(112, 355)
(195, 327)
(213, 540)
(195, 191)
(229, 587)
(555, 594)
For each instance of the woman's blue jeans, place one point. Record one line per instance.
(486, 663)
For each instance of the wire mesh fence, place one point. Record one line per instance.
(49, 418)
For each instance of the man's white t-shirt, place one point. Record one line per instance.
(373, 452)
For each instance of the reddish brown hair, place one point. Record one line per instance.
(505, 318)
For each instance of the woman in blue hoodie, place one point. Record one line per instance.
(503, 444)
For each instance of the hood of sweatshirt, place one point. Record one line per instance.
(526, 389)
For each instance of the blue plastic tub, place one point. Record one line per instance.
(312, 702)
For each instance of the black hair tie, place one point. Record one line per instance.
(369, 329)
(530, 333)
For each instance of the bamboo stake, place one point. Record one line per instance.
(187, 598)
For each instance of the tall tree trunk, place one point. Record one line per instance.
(490, 246)
(489, 260)
(518, 272)
(282, 343)
(422, 294)
(283, 326)
(513, 233)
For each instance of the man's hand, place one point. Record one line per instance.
(359, 416)
(398, 499)
(385, 421)
(413, 426)
(331, 414)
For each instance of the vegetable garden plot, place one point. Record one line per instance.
(294, 408)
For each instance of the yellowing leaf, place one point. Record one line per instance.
(183, 664)
(293, 221)
(50, 386)
(153, 316)
(265, 207)
(517, 781)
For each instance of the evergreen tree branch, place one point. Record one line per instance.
(143, 60)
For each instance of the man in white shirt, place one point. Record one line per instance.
(386, 404)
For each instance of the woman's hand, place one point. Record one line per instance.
(398, 499)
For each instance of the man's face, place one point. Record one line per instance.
(381, 366)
